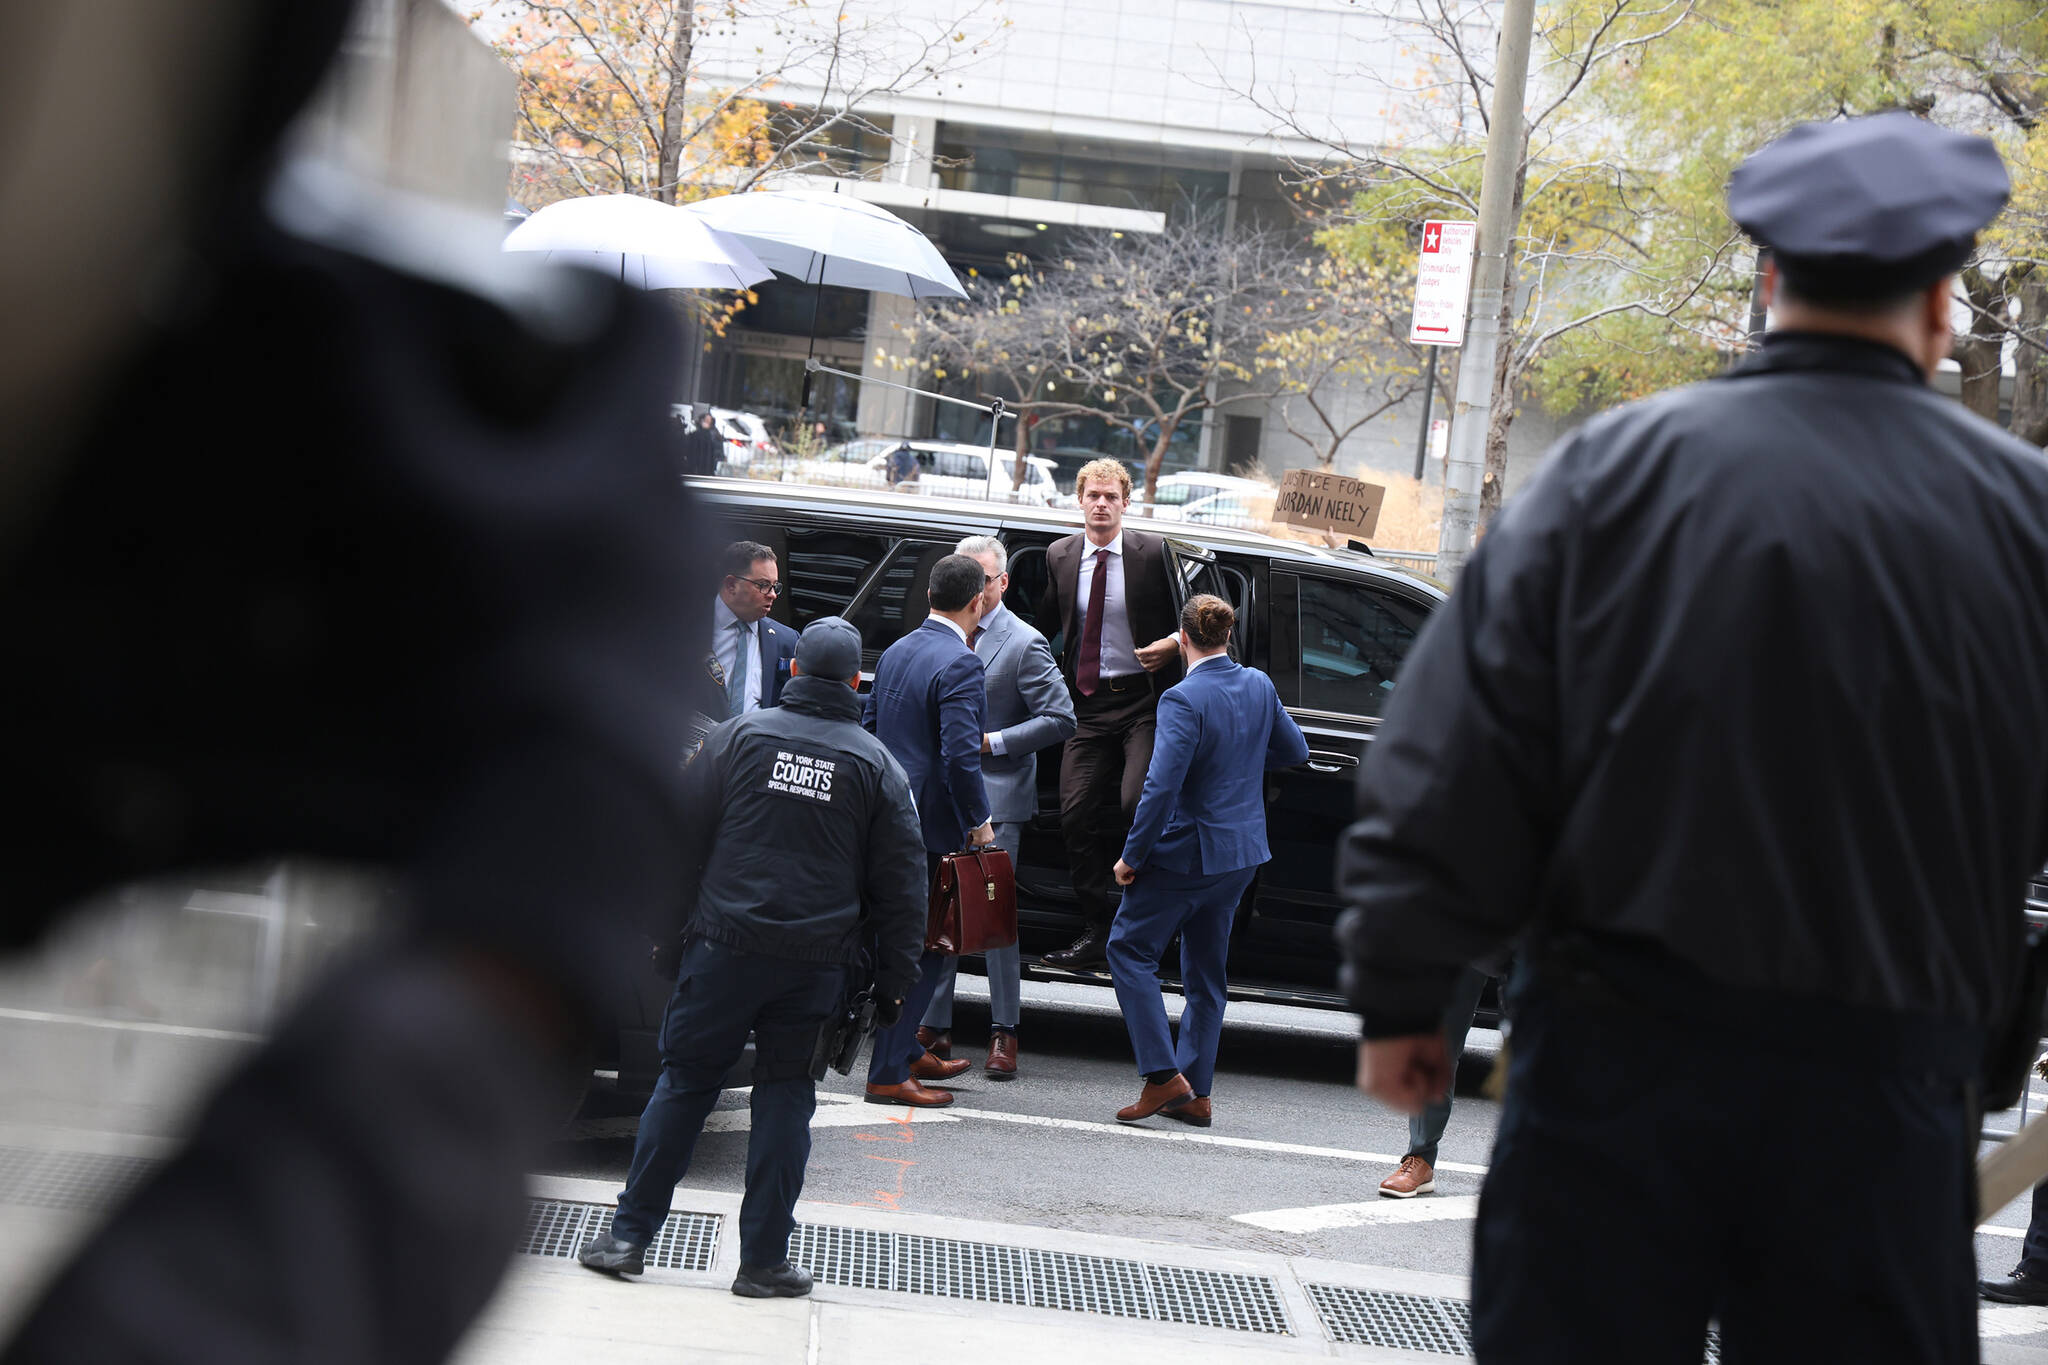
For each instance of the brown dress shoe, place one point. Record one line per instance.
(937, 1041)
(1170, 1094)
(1195, 1111)
(930, 1068)
(910, 1093)
(1002, 1057)
(1412, 1177)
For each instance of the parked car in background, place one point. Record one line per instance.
(1247, 512)
(944, 469)
(1177, 492)
(746, 436)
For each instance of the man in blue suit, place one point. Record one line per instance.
(1029, 709)
(749, 659)
(928, 708)
(1198, 838)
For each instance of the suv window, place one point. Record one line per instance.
(896, 603)
(824, 569)
(1352, 643)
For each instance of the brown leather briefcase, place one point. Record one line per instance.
(974, 903)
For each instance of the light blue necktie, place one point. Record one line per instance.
(736, 681)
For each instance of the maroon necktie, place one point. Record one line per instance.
(1089, 671)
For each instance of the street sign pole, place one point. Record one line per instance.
(1472, 413)
(1422, 431)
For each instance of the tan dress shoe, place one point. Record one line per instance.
(1002, 1057)
(937, 1041)
(931, 1068)
(1412, 1177)
(1171, 1093)
(1195, 1112)
(910, 1093)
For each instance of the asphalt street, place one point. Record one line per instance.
(1290, 1166)
(1291, 1135)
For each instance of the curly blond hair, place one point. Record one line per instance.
(1104, 471)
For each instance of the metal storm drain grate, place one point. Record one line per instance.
(558, 1227)
(69, 1180)
(1409, 1322)
(861, 1258)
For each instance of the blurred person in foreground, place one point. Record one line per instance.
(1735, 725)
(810, 821)
(1028, 710)
(414, 591)
(929, 706)
(1198, 840)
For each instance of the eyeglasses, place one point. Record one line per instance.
(767, 585)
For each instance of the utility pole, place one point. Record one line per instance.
(1471, 414)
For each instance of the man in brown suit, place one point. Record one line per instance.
(1110, 600)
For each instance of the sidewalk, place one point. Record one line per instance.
(895, 1284)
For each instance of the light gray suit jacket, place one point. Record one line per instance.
(1028, 706)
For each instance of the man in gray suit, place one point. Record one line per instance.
(1028, 709)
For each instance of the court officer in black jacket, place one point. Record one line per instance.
(1736, 721)
(807, 817)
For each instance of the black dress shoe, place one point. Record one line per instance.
(785, 1281)
(2019, 1287)
(613, 1256)
(1089, 950)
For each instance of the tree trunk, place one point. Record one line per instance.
(670, 159)
(1158, 456)
(1493, 483)
(1501, 415)
(1978, 350)
(2030, 378)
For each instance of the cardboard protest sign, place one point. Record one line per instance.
(1329, 502)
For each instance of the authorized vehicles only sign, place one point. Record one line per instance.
(1443, 283)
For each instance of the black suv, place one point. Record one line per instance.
(1329, 626)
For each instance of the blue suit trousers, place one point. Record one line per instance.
(721, 995)
(896, 1046)
(1199, 908)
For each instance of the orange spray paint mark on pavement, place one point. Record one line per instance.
(900, 1131)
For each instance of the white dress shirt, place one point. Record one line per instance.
(950, 624)
(1119, 650)
(1223, 658)
(725, 641)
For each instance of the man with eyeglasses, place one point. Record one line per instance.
(750, 654)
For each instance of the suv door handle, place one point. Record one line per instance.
(1324, 761)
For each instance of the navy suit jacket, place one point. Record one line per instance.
(1204, 808)
(927, 708)
(778, 647)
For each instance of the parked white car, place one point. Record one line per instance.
(1246, 511)
(746, 436)
(944, 470)
(1178, 492)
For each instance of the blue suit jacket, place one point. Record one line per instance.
(927, 708)
(778, 647)
(1204, 808)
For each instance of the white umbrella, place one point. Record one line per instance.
(834, 239)
(646, 243)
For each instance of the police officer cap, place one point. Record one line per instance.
(1871, 208)
(829, 648)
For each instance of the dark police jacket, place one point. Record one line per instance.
(1749, 684)
(806, 818)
